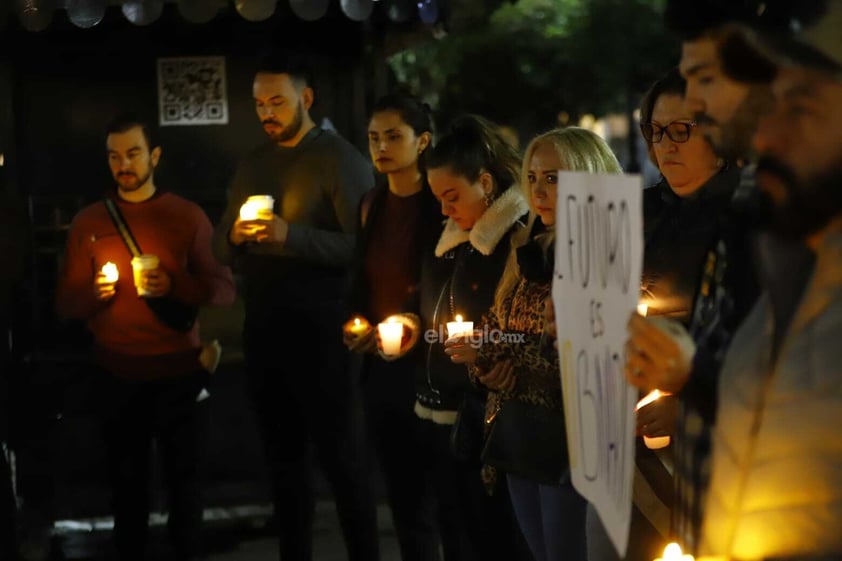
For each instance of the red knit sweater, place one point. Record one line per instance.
(130, 340)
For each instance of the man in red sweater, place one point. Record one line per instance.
(150, 378)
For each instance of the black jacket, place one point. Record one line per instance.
(460, 276)
(678, 232)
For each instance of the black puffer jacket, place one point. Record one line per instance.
(678, 232)
(460, 277)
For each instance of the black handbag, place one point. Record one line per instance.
(466, 436)
(529, 441)
(172, 312)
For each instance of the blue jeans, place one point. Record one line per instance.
(551, 517)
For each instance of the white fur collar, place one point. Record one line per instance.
(491, 226)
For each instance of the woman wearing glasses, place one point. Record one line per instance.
(680, 223)
(678, 211)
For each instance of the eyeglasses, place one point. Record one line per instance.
(677, 131)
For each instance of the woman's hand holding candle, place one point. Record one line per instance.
(458, 346)
(462, 348)
(386, 336)
(358, 335)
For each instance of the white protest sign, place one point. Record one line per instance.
(596, 286)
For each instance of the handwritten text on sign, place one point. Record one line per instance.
(599, 252)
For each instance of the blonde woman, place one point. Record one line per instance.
(551, 514)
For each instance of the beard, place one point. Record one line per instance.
(128, 181)
(734, 141)
(807, 206)
(288, 132)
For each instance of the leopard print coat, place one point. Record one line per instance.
(526, 344)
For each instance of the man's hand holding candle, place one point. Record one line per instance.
(105, 286)
(659, 354)
(243, 231)
(270, 230)
(273, 230)
(156, 282)
(658, 417)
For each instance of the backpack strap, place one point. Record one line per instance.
(122, 227)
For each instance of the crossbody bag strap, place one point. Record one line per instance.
(122, 227)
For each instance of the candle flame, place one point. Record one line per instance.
(642, 309)
(672, 552)
(357, 322)
(458, 318)
(110, 272)
(650, 397)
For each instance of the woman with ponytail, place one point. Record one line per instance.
(473, 174)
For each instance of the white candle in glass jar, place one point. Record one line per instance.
(391, 333)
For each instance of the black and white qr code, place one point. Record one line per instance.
(191, 91)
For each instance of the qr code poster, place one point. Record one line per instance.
(191, 91)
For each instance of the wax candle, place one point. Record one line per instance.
(672, 552)
(653, 442)
(257, 207)
(391, 333)
(459, 327)
(141, 263)
(359, 326)
(110, 271)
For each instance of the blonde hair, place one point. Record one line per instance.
(578, 149)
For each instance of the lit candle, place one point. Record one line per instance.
(642, 309)
(391, 333)
(359, 326)
(248, 211)
(459, 327)
(110, 271)
(653, 442)
(257, 207)
(672, 552)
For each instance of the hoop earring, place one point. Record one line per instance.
(489, 199)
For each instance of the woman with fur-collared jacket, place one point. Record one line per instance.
(473, 173)
(522, 366)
